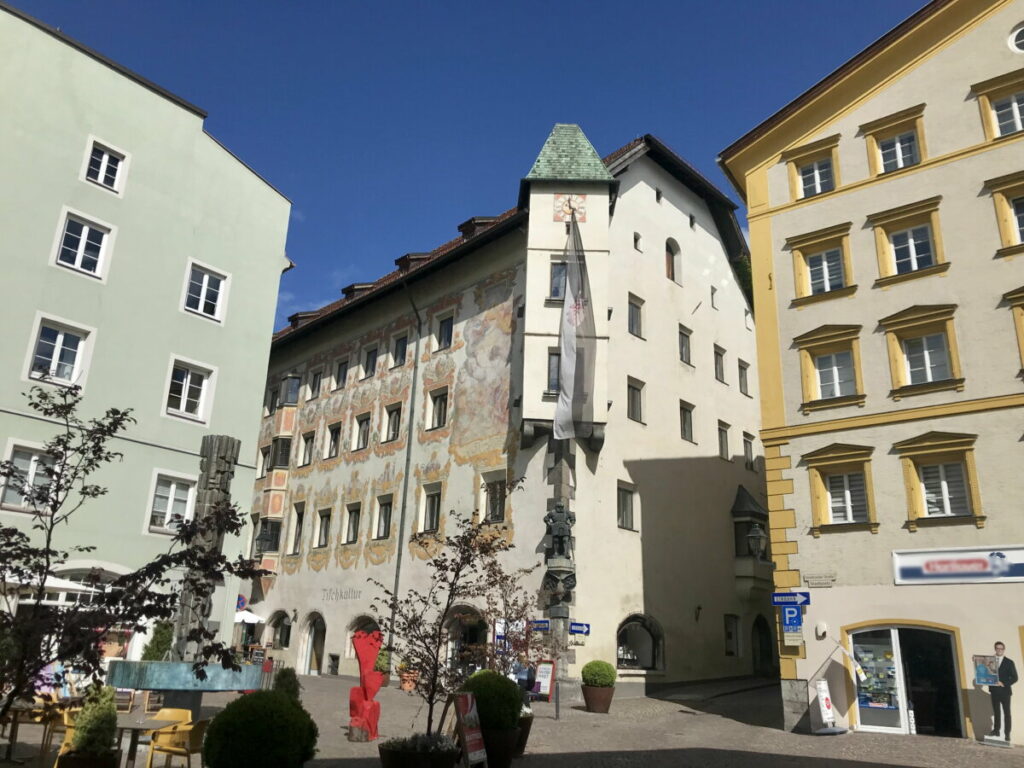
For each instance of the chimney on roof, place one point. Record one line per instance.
(475, 225)
(301, 318)
(411, 260)
(356, 289)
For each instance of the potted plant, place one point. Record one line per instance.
(598, 686)
(383, 664)
(407, 676)
(499, 703)
(261, 728)
(421, 750)
(92, 745)
(525, 724)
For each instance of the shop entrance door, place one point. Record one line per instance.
(911, 681)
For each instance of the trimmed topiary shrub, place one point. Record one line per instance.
(598, 674)
(499, 700)
(96, 724)
(261, 728)
(159, 642)
(287, 682)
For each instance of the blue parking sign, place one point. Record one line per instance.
(792, 618)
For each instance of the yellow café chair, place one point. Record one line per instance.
(69, 734)
(178, 741)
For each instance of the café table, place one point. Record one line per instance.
(18, 710)
(135, 723)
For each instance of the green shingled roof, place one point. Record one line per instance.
(568, 155)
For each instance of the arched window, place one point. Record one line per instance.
(640, 643)
(281, 627)
(467, 638)
(673, 264)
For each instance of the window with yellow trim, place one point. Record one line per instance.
(830, 367)
(842, 494)
(941, 479)
(1008, 197)
(822, 267)
(813, 168)
(1015, 300)
(896, 141)
(923, 354)
(1001, 101)
(908, 241)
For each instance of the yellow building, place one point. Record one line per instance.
(886, 214)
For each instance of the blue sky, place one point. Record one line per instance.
(387, 123)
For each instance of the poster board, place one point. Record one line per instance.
(986, 670)
(257, 654)
(467, 723)
(544, 688)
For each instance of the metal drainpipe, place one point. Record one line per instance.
(410, 423)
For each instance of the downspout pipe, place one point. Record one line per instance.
(410, 423)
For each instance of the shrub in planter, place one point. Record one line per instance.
(499, 703)
(261, 728)
(421, 750)
(383, 663)
(92, 745)
(598, 686)
(287, 682)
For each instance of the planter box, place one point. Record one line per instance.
(598, 699)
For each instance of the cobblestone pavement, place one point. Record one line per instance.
(722, 732)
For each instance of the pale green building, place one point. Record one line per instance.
(141, 261)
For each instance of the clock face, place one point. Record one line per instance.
(565, 204)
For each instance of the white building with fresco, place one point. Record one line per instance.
(422, 395)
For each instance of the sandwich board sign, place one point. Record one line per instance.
(545, 679)
(467, 721)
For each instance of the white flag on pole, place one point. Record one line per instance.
(574, 411)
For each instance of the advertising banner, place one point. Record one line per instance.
(960, 565)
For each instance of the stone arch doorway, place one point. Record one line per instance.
(313, 650)
(467, 638)
(761, 648)
(640, 643)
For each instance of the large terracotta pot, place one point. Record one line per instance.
(407, 680)
(525, 724)
(393, 758)
(598, 699)
(500, 745)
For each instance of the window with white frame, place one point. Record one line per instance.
(82, 245)
(340, 374)
(945, 489)
(719, 363)
(59, 353)
(898, 151)
(816, 177)
(399, 346)
(445, 331)
(556, 289)
(431, 508)
(307, 448)
(352, 524)
(394, 425)
(825, 271)
(686, 421)
(273, 399)
(748, 451)
(173, 502)
(912, 249)
(314, 384)
(383, 529)
(634, 399)
(723, 441)
(269, 537)
(438, 408)
(927, 358)
(205, 289)
(298, 517)
(684, 344)
(104, 166)
(636, 326)
(323, 528)
(264, 458)
(187, 392)
(743, 372)
(847, 497)
(1009, 113)
(836, 377)
(29, 474)
(333, 441)
(624, 508)
(369, 362)
(1018, 217)
(554, 371)
(362, 432)
(495, 491)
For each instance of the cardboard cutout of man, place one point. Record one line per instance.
(1002, 692)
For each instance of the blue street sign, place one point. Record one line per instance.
(578, 628)
(540, 625)
(792, 618)
(791, 598)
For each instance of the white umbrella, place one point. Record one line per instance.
(248, 617)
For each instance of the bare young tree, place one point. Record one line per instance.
(35, 635)
(509, 605)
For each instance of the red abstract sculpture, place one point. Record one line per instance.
(362, 709)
